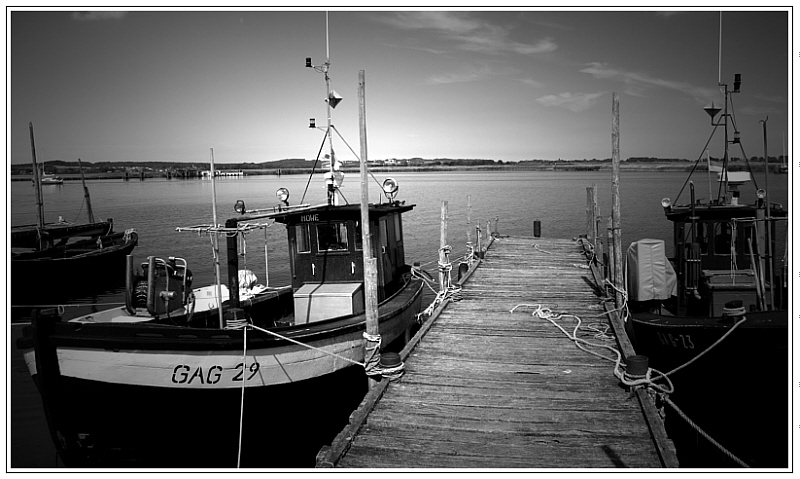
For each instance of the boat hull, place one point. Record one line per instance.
(737, 392)
(56, 275)
(151, 395)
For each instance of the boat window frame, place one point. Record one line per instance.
(341, 235)
(302, 230)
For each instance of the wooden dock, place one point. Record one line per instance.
(487, 388)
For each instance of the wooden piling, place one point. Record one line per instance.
(370, 263)
(610, 255)
(615, 203)
(444, 274)
(591, 215)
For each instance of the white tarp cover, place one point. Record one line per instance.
(649, 274)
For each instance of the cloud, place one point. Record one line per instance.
(467, 32)
(104, 15)
(531, 82)
(576, 102)
(468, 74)
(637, 84)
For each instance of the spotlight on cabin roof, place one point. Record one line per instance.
(239, 207)
(666, 203)
(283, 195)
(761, 194)
(390, 188)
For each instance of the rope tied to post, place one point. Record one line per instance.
(372, 355)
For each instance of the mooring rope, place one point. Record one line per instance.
(686, 418)
(241, 405)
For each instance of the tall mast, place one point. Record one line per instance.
(334, 176)
(37, 182)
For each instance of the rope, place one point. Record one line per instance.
(305, 345)
(372, 355)
(619, 368)
(703, 433)
(536, 247)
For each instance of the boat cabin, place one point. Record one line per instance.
(326, 257)
(728, 252)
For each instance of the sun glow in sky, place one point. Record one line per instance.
(505, 85)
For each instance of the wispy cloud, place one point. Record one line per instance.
(576, 102)
(467, 74)
(637, 84)
(104, 15)
(467, 32)
(531, 82)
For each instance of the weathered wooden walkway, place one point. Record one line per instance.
(487, 388)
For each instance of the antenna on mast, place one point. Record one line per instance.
(719, 75)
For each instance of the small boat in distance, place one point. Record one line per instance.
(51, 180)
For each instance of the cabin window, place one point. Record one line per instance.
(398, 233)
(302, 238)
(359, 242)
(332, 237)
(722, 238)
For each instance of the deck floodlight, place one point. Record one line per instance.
(334, 99)
(390, 188)
(239, 207)
(666, 203)
(761, 194)
(312, 122)
(737, 82)
(308, 62)
(283, 195)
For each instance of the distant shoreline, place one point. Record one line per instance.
(624, 166)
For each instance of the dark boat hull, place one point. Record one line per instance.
(153, 395)
(58, 274)
(737, 392)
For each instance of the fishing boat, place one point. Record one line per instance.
(197, 377)
(53, 261)
(713, 316)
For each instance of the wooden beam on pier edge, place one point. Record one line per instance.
(485, 388)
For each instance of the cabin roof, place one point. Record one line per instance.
(332, 213)
(706, 212)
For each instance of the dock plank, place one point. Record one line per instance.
(488, 388)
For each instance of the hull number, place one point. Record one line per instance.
(185, 374)
(683, 341)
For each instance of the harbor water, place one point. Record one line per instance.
(510, 201)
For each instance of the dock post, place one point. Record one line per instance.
(615, 213)
(444, 273)
(370, 263)
(609, 260)
(591, 215)
(469, 227)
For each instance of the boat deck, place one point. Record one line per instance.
(487, 388)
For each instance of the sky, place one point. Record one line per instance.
(506, 84)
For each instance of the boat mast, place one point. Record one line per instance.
(215, 242)
(334, 177)
(37, 182)
(86, 196)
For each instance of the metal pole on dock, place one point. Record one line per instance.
(86, 196)
(469, 224)
(370, 263)
(615, 213)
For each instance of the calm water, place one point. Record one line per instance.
(155, 207)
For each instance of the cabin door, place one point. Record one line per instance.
(385, 251)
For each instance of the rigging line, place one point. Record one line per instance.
(313, 168)
(241, 404)
(696, 163)
(354, 154)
